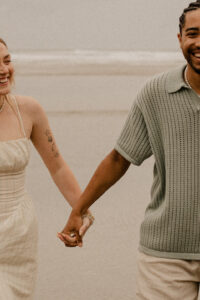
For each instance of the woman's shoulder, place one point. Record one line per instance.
(28, 104)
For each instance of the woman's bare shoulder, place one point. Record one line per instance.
(28, 104)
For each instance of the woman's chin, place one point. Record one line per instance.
(4, 91)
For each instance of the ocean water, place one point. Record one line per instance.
(85, 62)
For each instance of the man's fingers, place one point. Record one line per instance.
(71, 245)
(69, 237)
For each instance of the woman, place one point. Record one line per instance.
(22, 119)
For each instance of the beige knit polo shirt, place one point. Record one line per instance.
(165, 122)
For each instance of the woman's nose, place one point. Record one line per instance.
(3, 69)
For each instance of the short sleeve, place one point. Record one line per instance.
(133, 143)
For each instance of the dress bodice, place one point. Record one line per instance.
(14, 155)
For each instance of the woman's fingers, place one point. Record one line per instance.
(83, 230)
(84, 227)
(86, 224)
(59, 235)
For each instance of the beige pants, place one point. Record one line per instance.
(167, 279)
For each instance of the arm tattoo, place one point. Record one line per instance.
(50, 140)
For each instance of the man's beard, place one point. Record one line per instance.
(190, 62)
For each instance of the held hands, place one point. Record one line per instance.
(75, 229)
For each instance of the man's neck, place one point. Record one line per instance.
(193, 79)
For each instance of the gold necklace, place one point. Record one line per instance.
(187, 82)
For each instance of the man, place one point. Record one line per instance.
(165, 122)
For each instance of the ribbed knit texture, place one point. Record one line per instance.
(165, 121)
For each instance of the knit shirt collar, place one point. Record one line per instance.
(175, 80)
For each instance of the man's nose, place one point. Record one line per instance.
(197, 42)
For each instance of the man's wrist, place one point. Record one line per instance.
(78, 211)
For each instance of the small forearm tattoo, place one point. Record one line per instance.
(52, 144)
(50, 139)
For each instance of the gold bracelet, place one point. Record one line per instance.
(89, 216)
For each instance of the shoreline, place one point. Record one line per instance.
(84, 62)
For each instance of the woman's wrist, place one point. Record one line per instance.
(89, 216)
(83, 213)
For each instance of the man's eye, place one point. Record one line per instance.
(192, 34)
(7, 61)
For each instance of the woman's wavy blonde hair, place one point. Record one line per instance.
(8, 97)
(3, 42)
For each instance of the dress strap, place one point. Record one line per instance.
(20, 117)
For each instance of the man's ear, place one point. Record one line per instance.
(179, 35)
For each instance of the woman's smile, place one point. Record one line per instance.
(4, 81)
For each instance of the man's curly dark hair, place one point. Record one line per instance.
(192, 6)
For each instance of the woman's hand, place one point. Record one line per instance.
(75, 229)
(88, 220)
